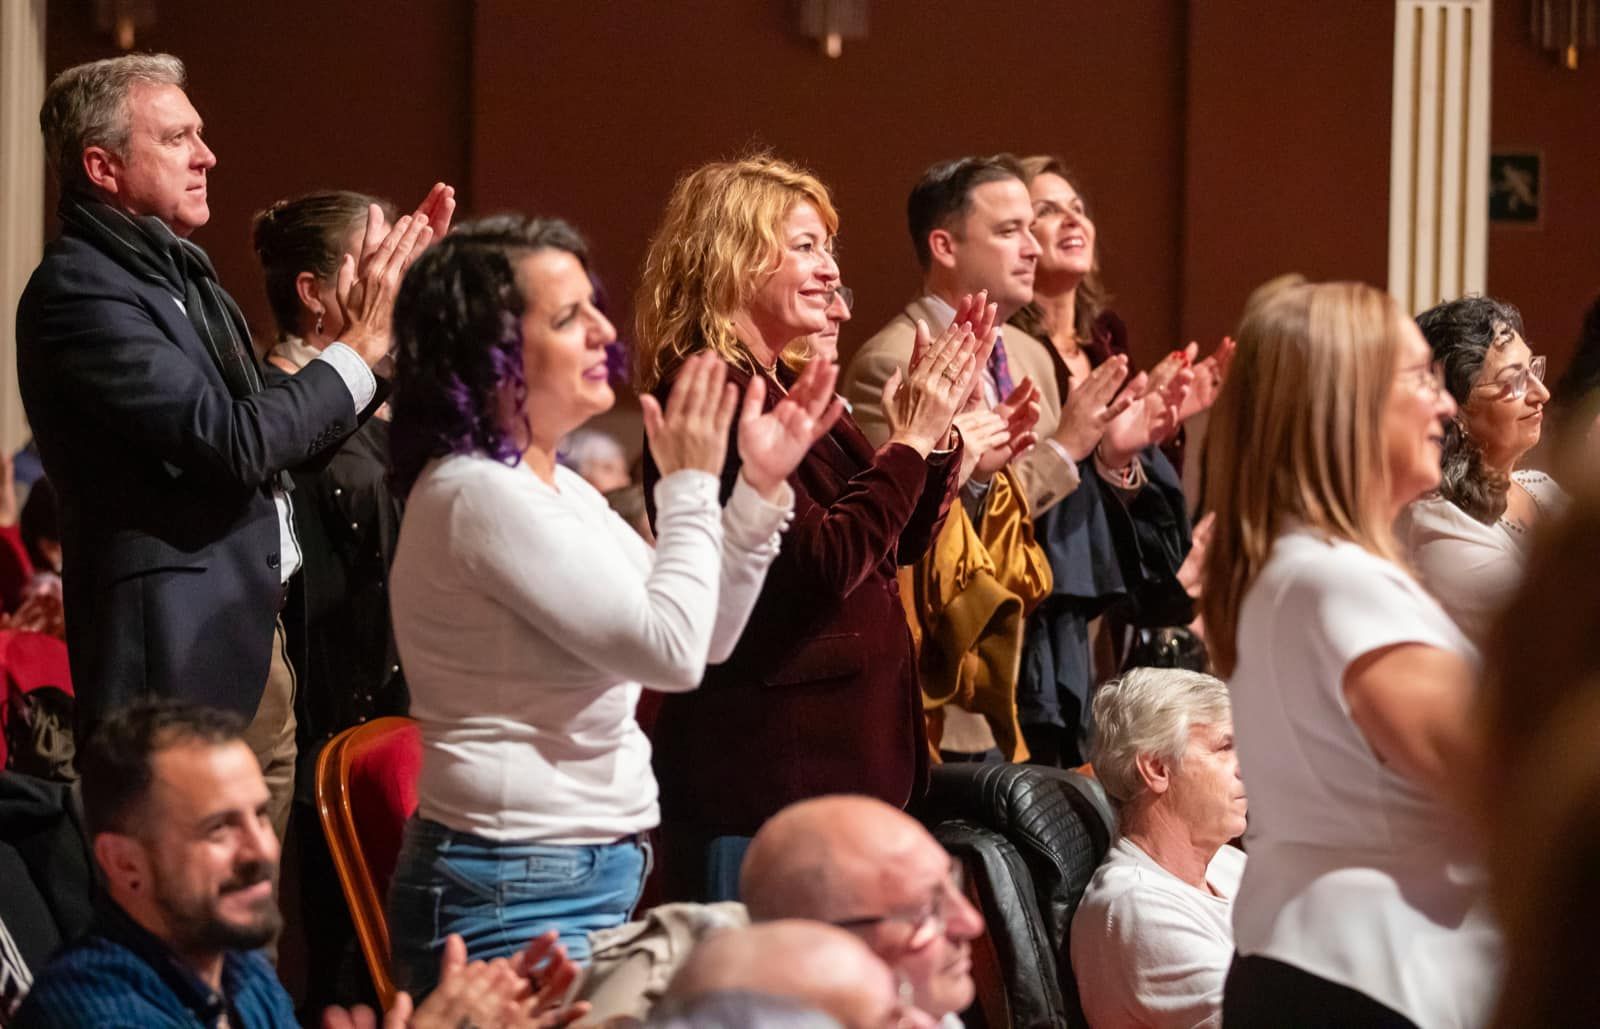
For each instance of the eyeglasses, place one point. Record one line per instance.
(1429, 380)
(1515, 385)
(846, 294)
(926, 925)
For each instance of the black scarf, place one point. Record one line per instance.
(149, 249)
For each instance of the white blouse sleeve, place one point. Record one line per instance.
(577, 586)
(751, 532)
(1356, 604)
(1460, 562)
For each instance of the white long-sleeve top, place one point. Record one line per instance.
(527, 616)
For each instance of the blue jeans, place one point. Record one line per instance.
(499, 895)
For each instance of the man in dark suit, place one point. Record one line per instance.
(166, 449)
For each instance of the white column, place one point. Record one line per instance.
(21, 188)
(1439, 150)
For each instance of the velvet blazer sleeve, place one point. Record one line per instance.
(889, 507)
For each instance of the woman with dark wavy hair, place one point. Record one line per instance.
(529, 616)
(1468, 541)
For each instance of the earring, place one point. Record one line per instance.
(319, 323)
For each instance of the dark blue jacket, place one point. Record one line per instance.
(169, 532)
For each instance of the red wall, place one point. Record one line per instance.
(299, 96)
(1220, 144)
(1287, 141)
(594, 117)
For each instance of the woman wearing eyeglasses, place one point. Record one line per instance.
(1352, 689)
(1468, 540)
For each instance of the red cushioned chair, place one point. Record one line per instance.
(366, 789)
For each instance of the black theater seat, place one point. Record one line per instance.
(1030, 838)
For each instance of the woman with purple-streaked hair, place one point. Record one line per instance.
(528, 615)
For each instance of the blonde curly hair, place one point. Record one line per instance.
(718, 240)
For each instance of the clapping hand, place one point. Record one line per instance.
(1151, 420)
(693, 430)
(495, 994)
(773, 443)
(990, 439)
(1209, 375)
(941, 377)
(1093, 404)
(1191, 572)
(548, 975)
(366, 288)
(437, 208)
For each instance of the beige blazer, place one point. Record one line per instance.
(1044, 472)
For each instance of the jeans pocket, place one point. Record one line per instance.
(469, 878)
(552, 871)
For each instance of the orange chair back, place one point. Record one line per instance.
(366, 789)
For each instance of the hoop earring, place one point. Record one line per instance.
(319, 323)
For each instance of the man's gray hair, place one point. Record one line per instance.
(87, 105)
(1150, 711)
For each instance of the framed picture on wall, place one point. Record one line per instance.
(1516, 187)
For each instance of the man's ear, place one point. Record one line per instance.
(103, 169)
(942, 247)
(1154, 771)
(122, 859)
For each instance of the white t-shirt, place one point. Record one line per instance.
(1148, 949)
(1472, 568)
(1356, 874)
(527, 616)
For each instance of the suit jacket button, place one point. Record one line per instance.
(272, 560)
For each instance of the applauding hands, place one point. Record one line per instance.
(367, 283)
(693, 430)
(773, 443)
(527, 991)
(941, 376)
(1093, 404)
(992, 438)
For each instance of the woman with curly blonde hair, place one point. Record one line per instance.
(1351, 687)
(820, 695)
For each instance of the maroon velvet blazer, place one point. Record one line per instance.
(820, 695)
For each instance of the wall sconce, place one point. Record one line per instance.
(121, 18)
(831, 22)
(1566, 27)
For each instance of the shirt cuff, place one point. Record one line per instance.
(751, 521)
(1060, 450)
(358, 378)
(687, 489)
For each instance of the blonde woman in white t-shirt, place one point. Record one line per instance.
(1362, 900)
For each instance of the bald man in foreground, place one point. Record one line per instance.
(821, 967)
(862, 865)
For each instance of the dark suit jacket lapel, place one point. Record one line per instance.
(169, 313)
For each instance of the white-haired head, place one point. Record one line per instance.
(1150, 711)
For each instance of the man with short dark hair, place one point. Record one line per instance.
(177, 816)
(969, 223)
(176, 812)
(863, 865)
(167, 450)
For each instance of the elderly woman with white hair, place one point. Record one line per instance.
(1152, 938)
